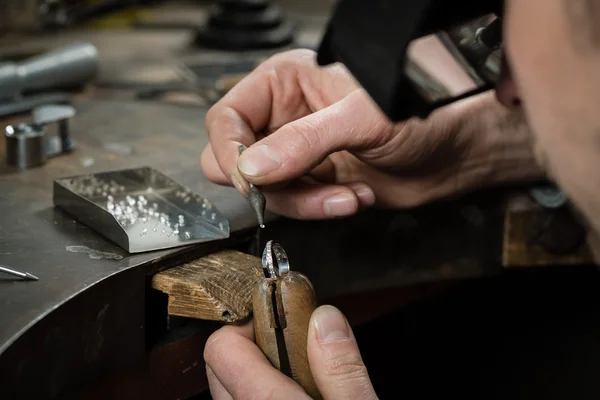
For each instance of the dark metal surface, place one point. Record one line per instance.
(25, 145)
(30, 145)
(100, 332)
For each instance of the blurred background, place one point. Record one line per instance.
(163, 48)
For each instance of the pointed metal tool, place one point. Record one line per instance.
(23, 275)
(256, 199)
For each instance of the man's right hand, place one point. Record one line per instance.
(320, 147)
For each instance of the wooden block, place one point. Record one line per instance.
(517, 252)
(217, 287)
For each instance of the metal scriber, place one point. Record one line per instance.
(24, 275)
(256, 199)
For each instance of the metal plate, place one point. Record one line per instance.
(140, 209)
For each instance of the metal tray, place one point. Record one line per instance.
(140, 209)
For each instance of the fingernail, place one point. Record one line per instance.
(364, 193)
(340, 205)
(259, 160)
(330, 324)
(238, 185)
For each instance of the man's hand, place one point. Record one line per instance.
(237, 369)
(320, 148)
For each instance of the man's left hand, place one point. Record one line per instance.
(237, 369)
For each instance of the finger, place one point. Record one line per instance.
(317, 201)
(335, 360)
(242, 368)
(363, 191)
(213, 172)
(248, 108)
(365, 194)
(296, 203)
(227, 132)
(301, 145)
(217, 390)
(211, 167)
(391, 190)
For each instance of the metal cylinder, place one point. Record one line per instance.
(25, 145)
(71, 65)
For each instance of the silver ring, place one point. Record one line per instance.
(283, 264)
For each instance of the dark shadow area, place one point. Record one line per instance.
(527, 334)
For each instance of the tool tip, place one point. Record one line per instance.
(30, 277)
(257, 202)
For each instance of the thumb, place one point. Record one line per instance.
(299, 146)
(335, 360)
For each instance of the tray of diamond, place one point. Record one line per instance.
(140, 209)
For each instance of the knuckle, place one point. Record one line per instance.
(347, 366)
(215, 345)
(215, 113)
(308, 135)
(293, 55)
(212, 115)
(211, 347)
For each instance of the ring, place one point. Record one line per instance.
(283, 264)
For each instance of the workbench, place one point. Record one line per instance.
(92, 315)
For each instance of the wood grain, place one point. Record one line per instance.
(264, 321)
(296, 301)
(217, 287)
(299, 301)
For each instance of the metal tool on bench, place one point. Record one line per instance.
(256, 199)
(283, 302)
(29, 145)
(140, 209)
(34, 82)
(23, 275)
